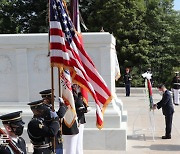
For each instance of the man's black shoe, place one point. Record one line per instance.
(166, 137)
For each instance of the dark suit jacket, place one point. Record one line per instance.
(166, 104)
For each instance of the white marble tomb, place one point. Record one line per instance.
(25, 70)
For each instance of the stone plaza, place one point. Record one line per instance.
(139, 134)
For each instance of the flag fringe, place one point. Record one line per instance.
(69, 126)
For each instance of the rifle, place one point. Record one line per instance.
(8, 141)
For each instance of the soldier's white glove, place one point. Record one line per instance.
(89, 109)
(53, 114)
(61, 100)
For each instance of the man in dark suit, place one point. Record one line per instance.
(14, 126)
(167, 109)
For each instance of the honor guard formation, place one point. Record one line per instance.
(47, 130)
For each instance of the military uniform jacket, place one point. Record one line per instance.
(127, 78)
(74, 129)
(41, 132)
(70, 131)
(8, 150)
(80, 110)
(176, 82)
(166, 104)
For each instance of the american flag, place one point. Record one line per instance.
(67, 51)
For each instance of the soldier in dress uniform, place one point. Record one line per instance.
(14, 126)
(127, 81)
(70, 134)
(43, 127)
(176, 88)
(81, 109)
(46, 95)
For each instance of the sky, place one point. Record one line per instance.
(177, 5)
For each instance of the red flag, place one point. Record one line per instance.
(149, 86)
(74, 14)
(67, 51)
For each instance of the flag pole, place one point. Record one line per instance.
(52, 73)
(52, 87)
(60, 95)
(52, 69)
(59, 82)
(52, 101)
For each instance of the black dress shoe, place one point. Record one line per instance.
(166, 137)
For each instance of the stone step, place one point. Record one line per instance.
(107, 138)
(111, 118)
(135, 90)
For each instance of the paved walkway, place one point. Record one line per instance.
(141, 141)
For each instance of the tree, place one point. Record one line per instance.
(144, 30)
(38, 22)
(23, 16)
(125, 19)
(160, 29)
(11, 16)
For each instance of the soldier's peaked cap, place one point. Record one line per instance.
(35, 104)
(46, 92)
(14, 117)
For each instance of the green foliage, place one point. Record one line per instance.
(146, 32)
(160, 22)
(23, 16)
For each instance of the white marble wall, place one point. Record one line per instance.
(25, 68)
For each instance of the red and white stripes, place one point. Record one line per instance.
(71, 54)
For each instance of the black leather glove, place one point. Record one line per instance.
(46, 113)
(62, 110)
